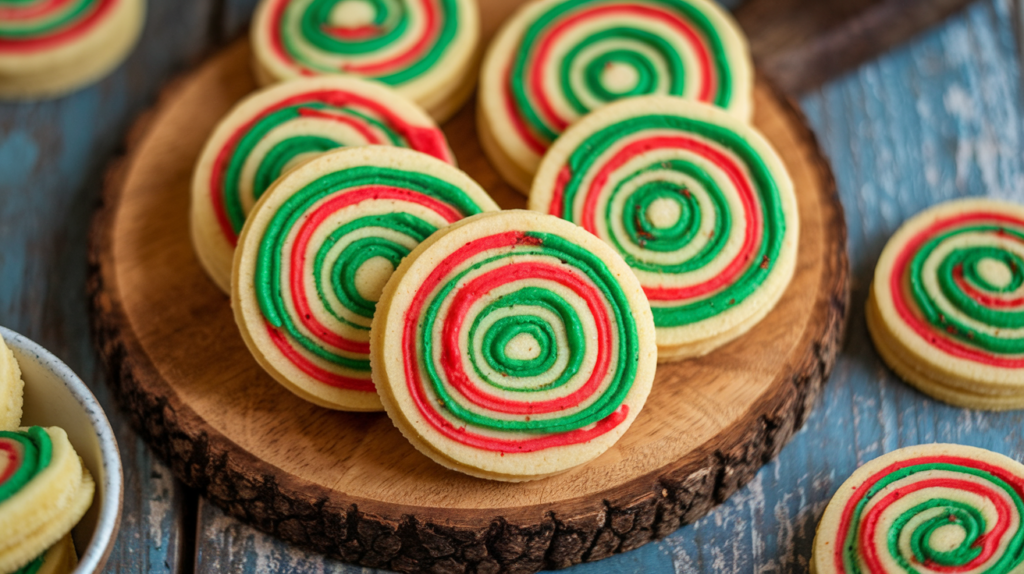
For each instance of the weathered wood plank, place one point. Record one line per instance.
(52, 158)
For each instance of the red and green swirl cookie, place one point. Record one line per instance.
(947, 303)
(423, 48)
(513, 346)
(48, 47)
(557, 60)
(276, 129)
(698, 203)
(44, 491)
(317, 251)
(935, 508)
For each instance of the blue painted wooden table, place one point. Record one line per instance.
(938, 118)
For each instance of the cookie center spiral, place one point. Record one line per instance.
(523, 347)
(947, 538)
(664, 212)
(619, 77)
(353, 14)
(995, 272)
(371, 277)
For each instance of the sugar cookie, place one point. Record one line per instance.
(12, 389)
(513, 346)
(317, 251)
(61, 558)
(44, 491)
(425, 49)
(555, 61)
(697, 202)
(48, 47)
(946, 309)
(276, 129)
(933, 508)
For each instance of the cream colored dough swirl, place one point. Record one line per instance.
(12, 389)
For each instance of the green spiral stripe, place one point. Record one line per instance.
(968, 517)
(37, 450)
(646, 236)
(392, 15)
(646, 71)
(273, 163)
(570, 254)
(584, 160)
(707, 30)
(33, 566)
(969, 258)
(268, 275)
(503, 330)
(343, 272)
(48, 23)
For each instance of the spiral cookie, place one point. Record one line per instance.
(696, 202)
(423, 48)
(557, 60)
(946, 309)
(59, 559)
(932, 508)
(317, 251)
(50, 47)
(44, 491)
(274, 130)
(12, 389)
(513, 346)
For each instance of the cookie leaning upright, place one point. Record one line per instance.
(513, 346)
(697, 202)
(277, 128)
(930, 509)
(555, 61)
(316, 252)
(946, 309)
(44, 491)
(12, 389)
(425, 49)
(50, 48)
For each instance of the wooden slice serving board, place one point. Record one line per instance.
(349, 484)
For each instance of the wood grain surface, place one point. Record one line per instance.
(349, 485)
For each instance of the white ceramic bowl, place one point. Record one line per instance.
(55, 396)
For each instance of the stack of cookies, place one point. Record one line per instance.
(369, 273)
(44, 487)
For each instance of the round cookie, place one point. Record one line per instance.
(44, 491)
(513, 346)
(12, 389)
(698, 203)
(425, 49)
(61, 558)
(555, 61)
(275, 129)
(935, 508)
(49, 48)
(316, 252)
(946, 309)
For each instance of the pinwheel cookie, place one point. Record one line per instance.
(44, 491)
(280, 127)
(513, 346)
(928, 509)
(61, 558)
(557, 60)
(317, 251)
(48, 48)
(425, 49)
(697, 202)
(12, 389)
(946, 309)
